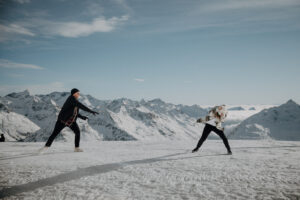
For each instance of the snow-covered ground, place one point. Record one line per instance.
(258, 169)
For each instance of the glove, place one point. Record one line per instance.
(199, 120)
(95, 113)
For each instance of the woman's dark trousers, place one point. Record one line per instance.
(206, 131)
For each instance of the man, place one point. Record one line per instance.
(67, 117)
(213, 122)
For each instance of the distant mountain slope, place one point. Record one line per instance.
(280, 123)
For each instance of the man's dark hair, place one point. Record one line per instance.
(74, 90)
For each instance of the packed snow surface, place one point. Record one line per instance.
(258, 169)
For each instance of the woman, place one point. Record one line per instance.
(213, 122)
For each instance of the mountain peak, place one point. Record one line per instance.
(25, 93)
(291, 102)
(157, 100)
(289, 105)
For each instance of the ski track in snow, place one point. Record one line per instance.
(145, 170)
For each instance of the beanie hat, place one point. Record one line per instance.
(74, 90)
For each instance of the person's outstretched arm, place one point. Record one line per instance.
(83, 107)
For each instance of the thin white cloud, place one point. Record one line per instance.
(224, 17)
(39, 22)
(16, 28)
(12, 65)
(79, 29)
(7, 32)
(139, 79)
(33, 89)
(41, 27)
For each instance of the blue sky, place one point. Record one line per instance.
(189, 52)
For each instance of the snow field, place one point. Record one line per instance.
(263, 169)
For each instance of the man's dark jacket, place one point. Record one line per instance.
(70, 109)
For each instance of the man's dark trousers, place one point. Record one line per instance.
(59, 126)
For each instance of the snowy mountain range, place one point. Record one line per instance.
(32, 117)
(26, 117)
